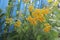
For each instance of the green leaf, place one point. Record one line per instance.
(38, 37)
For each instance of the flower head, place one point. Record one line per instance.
(47, 27)
(17, 23)
(32, 20)
(45, 11)
(41, 19)
(29, 18)
(31, 8)
(36, 13)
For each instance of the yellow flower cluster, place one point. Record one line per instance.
(9, 20)
(37, 15)
(37, 11)
(18, 23)
(31, 8)
(47, 27)
(45, 11)
(31, 20)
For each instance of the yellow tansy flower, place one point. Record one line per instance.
(42, 11)
(45, 11)
(33, 14)
(47, 27)
(41, 19)
(31, 20)
(18, 23)
(31, 8)
(36, 13)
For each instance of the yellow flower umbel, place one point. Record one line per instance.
(31, 20)
(8, 20)
(41, 19)
(36, 13)
(45, 11)
(31, 8)
(17, 23)
(47, 27)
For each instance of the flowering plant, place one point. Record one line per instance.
(40, 24)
